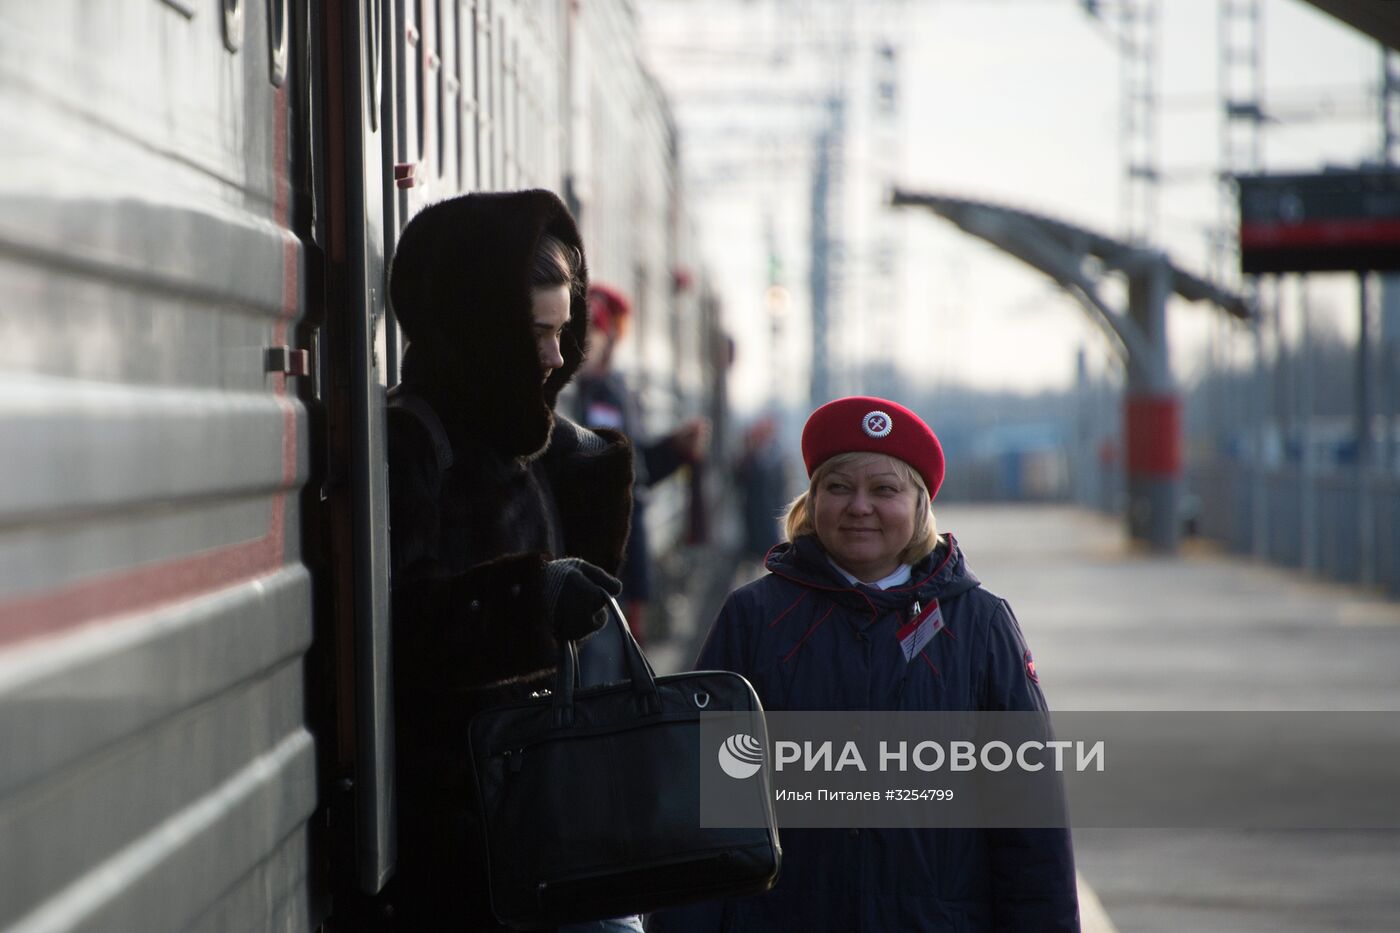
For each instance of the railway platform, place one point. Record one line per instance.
(1117, 628)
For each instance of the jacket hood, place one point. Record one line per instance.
(459, 286)
(941, 575)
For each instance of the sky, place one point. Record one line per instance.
(1012, 101)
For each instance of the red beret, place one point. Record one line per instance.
(608, 308)
(864, 424)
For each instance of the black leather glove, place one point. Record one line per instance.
(576, 597)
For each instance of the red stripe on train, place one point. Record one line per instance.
(144, 589)
(106, 598)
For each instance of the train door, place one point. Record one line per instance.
(424, 100)
(356, 368)
(395, 77)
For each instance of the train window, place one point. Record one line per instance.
(277, 40)
(374, 37)
(488, 179)
(498, 97)
(508, 86)
(471, 94)
(462, 91)
(525, 116)
(443, 74)
(420, 149)
(233, 24)
(452, 111)
(518, 87)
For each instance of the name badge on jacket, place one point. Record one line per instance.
(603, 415)
(919, 630)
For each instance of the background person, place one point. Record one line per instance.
(761, 475)
(868, 607)
(487, 489)
(603, 399)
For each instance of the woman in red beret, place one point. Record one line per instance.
(867, 607)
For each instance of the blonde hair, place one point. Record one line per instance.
(799, 521)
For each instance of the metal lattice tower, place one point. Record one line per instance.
(798, 101)
(827, 254)
(1390, 284)
(1137, 62)
(884, 260)
(1241, 82)
(1390, 106)
(1136, 36)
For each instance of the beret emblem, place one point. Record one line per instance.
(876, 424)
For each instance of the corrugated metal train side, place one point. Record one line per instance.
(158, 771)
(197, 200)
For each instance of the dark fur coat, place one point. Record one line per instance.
(469, 545)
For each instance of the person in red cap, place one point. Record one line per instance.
(867, 606)
(603, 400)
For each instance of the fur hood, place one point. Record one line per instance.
(459, 285)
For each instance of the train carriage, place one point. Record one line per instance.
(196, 205)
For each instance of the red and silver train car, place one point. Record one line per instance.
(197, 200)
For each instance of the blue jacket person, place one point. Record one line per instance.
(845, 620)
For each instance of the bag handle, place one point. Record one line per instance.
(639, 673)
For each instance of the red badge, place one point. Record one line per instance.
(926, 623)
(1030, 669)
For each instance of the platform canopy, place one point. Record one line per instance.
(1047, 244)
(1077, 259)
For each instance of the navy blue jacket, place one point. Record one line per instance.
(808, 640)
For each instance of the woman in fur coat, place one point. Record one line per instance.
(507, 520)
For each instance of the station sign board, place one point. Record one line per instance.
(1335, 221)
